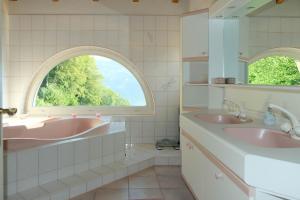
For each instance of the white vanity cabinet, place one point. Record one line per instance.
(205, 176)
(195, 35)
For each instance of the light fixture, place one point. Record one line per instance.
(279, 1)
(135, 1)
(175, 1)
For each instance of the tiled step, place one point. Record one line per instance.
(137, 159)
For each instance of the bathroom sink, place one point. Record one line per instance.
(263, 137)
(221, 119)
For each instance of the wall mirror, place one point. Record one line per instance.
(269, 45)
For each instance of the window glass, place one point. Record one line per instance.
(90, 80)
(274, 70)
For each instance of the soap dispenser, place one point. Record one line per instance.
(269, 117)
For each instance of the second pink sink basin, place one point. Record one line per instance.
(221, 119)
(263, 137)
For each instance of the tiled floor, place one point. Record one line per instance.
(155, 183)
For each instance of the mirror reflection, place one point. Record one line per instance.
(270, 53)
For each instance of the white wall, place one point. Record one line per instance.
(151, 42)
(272, 32)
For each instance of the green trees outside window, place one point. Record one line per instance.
(274, 70)
(75, 82)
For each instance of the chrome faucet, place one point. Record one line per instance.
(294, 128)
(235, 109)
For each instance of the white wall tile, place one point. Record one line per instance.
(149, 23)
(161, 23)
(95, 151)
(66, 155)
(25, 22)
(173, 23)
(63, 37)
(149, 38)
(50, 37)
(10, 167)
(173, 38)
(14, 22)
(25, 37)
(27, 164)
(100, 22)
(136, 38)
(107, 145)
(14, 37)
(112, 22)
(50, 22)
(63, 22)
(38, 22)
(136, 23)
(48, 160)
(100, 38)
(87, 22)
(81, 151)
(37, 37)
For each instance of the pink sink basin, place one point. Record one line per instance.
(221, 119)
(263, 137)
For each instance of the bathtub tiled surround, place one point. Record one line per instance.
(138, 157)
(152, 43)
(37, 166)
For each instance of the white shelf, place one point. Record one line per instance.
(195, 84)
(195, 59)
(259, 87)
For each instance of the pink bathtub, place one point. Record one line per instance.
(49, 131)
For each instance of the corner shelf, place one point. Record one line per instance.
(244, 59)
(195, 83)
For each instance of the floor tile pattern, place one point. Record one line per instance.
(155, 183)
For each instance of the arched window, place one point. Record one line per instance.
(275, 67)
(88, 80)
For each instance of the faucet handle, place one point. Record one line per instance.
(286, 127)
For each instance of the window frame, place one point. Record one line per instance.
(59, 57)
(289, 52)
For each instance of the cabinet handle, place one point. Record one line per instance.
(219, 175)
(203, 53)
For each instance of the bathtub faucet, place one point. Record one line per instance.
(9, 111)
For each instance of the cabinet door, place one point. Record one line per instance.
(218, 186)
(192, 166)
(195, 35)
(187, 160)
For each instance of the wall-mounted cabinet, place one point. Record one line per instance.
(195, 35)
(194, 87)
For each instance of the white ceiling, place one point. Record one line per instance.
(290, 8)
(144, 7)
